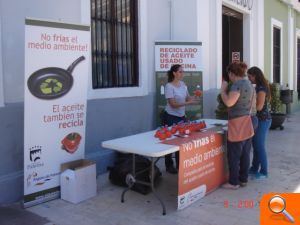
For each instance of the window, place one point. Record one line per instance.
(114, 43)
(276, 55)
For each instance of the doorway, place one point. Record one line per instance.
(232, 38)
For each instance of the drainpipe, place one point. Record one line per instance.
(290, 80)
(171, 20)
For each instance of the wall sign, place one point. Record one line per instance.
(244, 3)
(235, 56)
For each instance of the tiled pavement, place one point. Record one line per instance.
(106, 208)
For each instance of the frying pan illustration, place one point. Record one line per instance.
(52, 82)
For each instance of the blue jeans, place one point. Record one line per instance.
(259, 147)
(254, 122)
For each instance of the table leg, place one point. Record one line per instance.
(123, 193)
(130, 179)
(153, 162)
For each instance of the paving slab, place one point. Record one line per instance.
(16, 215)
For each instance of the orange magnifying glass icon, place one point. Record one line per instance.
(277, 205)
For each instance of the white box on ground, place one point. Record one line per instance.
(78, 180)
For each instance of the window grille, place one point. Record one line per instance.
(276, 55)
(114, 43)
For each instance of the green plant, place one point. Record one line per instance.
(276, 104)
(221, 111)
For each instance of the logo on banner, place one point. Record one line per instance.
(52, 82)
(35, 153)
(192, 196)
(35, 157)
(30, 177)
(36, 180)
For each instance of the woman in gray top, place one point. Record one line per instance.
(238, 99)
(177, 97)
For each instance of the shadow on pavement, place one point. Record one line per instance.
(15, 215)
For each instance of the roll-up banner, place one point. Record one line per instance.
(187, 54)
(57, 58)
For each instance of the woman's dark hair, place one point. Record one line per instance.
(237, 68)
(174, 68)
(260, 80)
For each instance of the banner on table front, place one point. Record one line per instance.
(202, 165)
(56, 76)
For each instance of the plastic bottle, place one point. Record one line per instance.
(198, 91)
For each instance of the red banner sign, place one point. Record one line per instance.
(202, 166)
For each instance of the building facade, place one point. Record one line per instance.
(121, 91)
(282, 45)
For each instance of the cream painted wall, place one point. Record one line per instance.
(13, 14)
(1, 70)
(193, 20)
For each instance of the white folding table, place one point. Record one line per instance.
(145, 144)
